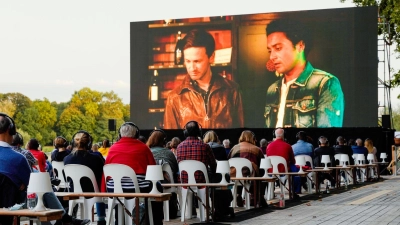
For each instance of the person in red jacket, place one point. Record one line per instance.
(128, 150)
(279, 147)
(33, 147)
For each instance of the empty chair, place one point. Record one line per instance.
(190, 167)
(75, 172)
(239, 164)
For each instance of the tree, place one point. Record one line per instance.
(38, 121)
(7, 107)
(388, 10)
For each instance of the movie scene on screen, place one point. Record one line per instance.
(297, 69)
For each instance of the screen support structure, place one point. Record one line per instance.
(384, 69)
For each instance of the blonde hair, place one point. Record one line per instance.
(247, 136)
(81, 141)
(369, 145)
(210, 136)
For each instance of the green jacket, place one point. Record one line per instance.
(315, 99)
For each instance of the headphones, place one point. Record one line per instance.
(65, 144)
(88, 145)
(164, 134)
(11, 128)
(273, 132)
(130, 124)
(301, 133)
(321, 137)
(193, 131)
(17, 139)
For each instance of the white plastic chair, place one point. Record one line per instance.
(117, 172)
(167, 168)
(275, 161)
(76, 172)
(310, 176)
(191, 166)
(269, 194)
(58, 171)
(239, 164)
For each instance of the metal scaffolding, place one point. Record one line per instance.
(384, 77)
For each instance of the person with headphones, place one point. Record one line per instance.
(302, 147)
(16, 144)
(162, 155)
(279, 147)
(60, 151)
(211, 138)
(81, 143)
(156, 143)
(128, 150)
(325, 149)
(247, 148)
(14, 168)
(193, 148)
(15, 173)
(105, 147)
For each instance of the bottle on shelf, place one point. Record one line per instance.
(154, 87)
(178, 50)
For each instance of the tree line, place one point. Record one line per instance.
(87, 110)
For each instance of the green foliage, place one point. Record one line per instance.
(38, 120)
(389, 10)
(87, 110)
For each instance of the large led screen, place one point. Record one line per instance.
(289, 69)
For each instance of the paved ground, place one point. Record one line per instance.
(370, 203)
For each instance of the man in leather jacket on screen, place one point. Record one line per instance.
(203, 96)
(304, 96)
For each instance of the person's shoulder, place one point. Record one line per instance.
(273, 86)
(323, 75)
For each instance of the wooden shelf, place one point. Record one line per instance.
(214, 23)
(152, 67)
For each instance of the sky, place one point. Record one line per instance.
(49, 49)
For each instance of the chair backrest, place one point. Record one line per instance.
(117, 171)
(307, 158)
(58, 168)
(337, 157)
(275, 161)
(76, 172)
(239, 163)
(191, 166)
(167, 168)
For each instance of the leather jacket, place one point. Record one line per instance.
(224, 109)
(315, 99)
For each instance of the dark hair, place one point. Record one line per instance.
(156, 139)
(294, 30)
(33, 144)
(175, 142)
(106, 143)
(192, 129)
(17, 139)
(301, 135)
(5, 123)
(142, 139)
(199, 38)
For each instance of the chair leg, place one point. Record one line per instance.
(150, 212)
(234, 193)
(184, 196)
(166, 210)
(202, 194)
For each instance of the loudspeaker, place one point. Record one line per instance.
(112, 125)
(386, 121)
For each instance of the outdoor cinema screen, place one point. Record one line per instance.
(313, 68)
